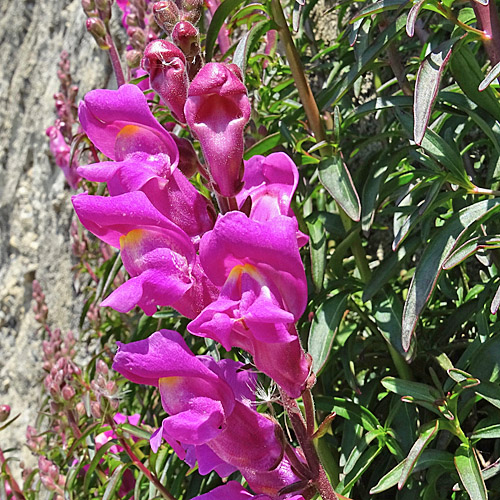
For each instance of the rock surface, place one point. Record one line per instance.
(35, 208)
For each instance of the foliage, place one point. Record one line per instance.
(398, 193)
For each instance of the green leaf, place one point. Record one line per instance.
(248, 42)
(427, 434)
(89, 475)
(440, 149)
(417, 390)
(468, 75)
(114, 481)
(490, 77)
(220, 15)
(317, 250)
(324, 327)
(333, 94)
(263, 146)
(490, 432)
(427, 86)
(470, 248)
(470, 474)
(412, 17)
(430, 265)
(336, 179)
(375, 8)
(428, 458)
(387, 311)
(489, 391)
(350, 411)
(361, 466)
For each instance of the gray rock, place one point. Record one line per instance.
(35, 207)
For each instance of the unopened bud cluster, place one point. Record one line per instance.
(40, 308)
(105, 390)
(51, 478)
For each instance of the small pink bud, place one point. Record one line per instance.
(187, 38)
(191, 10)
(96, 28)
(102, 367)
(88, 6)
(80, 408)
(4, 412)
(68, 392)
(137, 37)
(166, 66)
(166, 15)
(133, 58)
(104, 9)
(95, 409)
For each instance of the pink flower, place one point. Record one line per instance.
(217, 111)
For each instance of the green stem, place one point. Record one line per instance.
(314, 119)
(152, 478)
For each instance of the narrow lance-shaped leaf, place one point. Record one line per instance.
(430, 265)
(470, 248)
(470, 474)
(218, 19)
(337, 180)
(317, 250)
(426, 436)
(490, 77)
(495, 303)
(411, 20)
(427, 86)
(324, 328)
(375, 8)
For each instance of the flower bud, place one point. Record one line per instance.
(191, 10)
(68, 392)
(166, 66)
(95, 409)
(137, 37)
(131, 20)
(96, 28)
(88, 6)
(166, 15)
(80, 408)
(187, 38)
(4, 412)
(133, 58)
(217, 111)
(104, 9)
(102, 367)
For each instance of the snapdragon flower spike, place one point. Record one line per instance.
(166, 187)
(263, 293)
(166, 66)
(217, 111)
(202, 403)
(158, 255)
(119, 123)
(62, 152)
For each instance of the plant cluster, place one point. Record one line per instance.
(292, 289)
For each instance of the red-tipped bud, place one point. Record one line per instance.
(96, 28)
(166, 14)
(95, 409)
(166, 66)
(187, 38)
(102, 367)
(4, 412)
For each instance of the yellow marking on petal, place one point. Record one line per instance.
(132, 238)
(128, 131)
(169, 382)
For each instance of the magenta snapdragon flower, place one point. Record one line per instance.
(120, 123)
(234, 491)
(166, 65)
(217, 111)
(208, 403)
(159, 256)
(263, 293)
